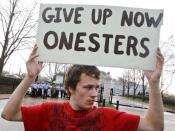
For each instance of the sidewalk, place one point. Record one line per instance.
(4, 96)
(31, 100)
(18, 126)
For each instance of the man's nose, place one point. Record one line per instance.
(94, 92)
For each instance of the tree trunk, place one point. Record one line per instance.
(1, 65)
(128, 90)
(123, 92)
(134, 93)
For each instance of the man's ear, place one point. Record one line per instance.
(71, 90)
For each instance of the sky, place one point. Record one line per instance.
(17, 61)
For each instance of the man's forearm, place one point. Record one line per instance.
(14, 103)
(155, 112)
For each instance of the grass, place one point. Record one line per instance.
(167, 107)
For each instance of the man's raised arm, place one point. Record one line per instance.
(154, 118)
(12, 110)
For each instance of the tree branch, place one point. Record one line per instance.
(1, 44)
(3, 22)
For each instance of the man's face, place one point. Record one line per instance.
(85, 93)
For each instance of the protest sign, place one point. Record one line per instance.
(99, 35)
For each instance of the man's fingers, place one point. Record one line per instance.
(34, 50)
(160, 56)
(160, 60)
(32, 57)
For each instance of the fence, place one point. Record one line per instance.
(103, 102)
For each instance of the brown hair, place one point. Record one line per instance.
(72, 76)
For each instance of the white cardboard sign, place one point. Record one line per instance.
(99, 35)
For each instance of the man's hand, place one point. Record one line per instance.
(12, 110)
(154, 118)
(33, 67)
(154, 76)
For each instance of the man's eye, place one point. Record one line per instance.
(97, 87)
(88, 87)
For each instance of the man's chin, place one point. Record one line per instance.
(87, 107)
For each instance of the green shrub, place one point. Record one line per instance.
(9, 81)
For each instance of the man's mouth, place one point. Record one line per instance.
(91, 101)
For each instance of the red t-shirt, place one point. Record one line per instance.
(54, 116)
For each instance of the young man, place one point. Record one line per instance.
(79, 113)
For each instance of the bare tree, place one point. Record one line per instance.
(123, 81)
(135, 78)
(52, 69)
(126, 82)
(132, 79)
(144, 84)
(17, 26)
(168, 49)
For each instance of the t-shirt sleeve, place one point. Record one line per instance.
(32, 117)
(122, 121)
